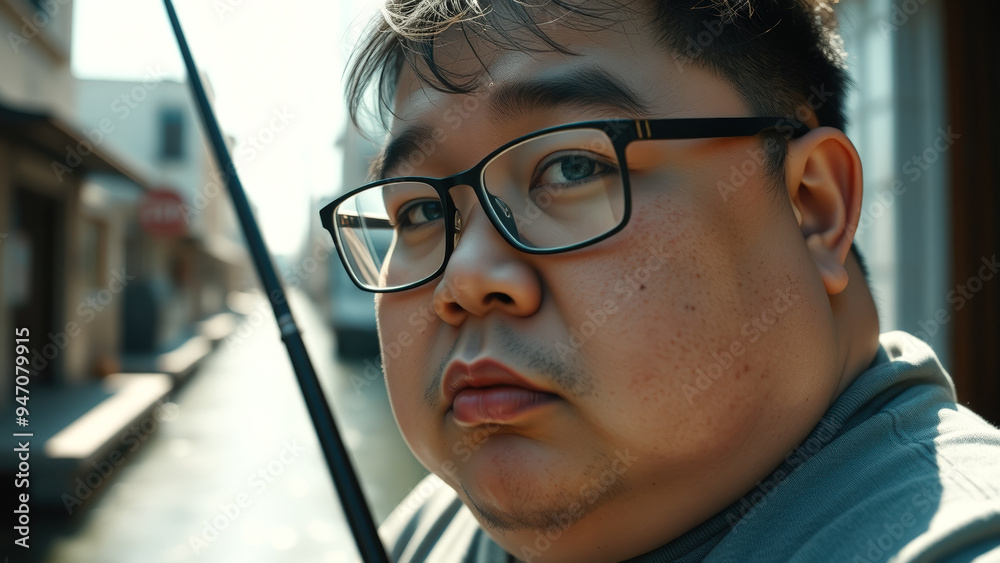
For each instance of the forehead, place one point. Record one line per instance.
(612, 70)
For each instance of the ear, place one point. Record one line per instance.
(823, 176)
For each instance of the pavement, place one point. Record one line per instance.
(75, 427)
(229, 469)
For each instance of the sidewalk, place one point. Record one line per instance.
(233, 471)
(76, 428)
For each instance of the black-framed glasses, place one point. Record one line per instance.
(554, 190)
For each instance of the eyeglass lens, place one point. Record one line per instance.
(548, 192)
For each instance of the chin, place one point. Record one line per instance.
(511, 468)
(513, 511)
(513, 483)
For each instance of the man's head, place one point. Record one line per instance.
(621, 393)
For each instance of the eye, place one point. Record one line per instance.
(570, 168)
(419, 212)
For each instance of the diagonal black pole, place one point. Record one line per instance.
(344, 478)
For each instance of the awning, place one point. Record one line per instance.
(51, 135)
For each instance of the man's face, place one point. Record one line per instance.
(626, 391)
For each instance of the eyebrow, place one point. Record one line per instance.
(591, 88)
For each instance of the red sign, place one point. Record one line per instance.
(161, 214)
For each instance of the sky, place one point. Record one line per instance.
(261, 57)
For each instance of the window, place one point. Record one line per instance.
(93, 242)
(896, 116)
(171, 134)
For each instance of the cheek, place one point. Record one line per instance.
(405, 336)
(674, 314)
(403, 326)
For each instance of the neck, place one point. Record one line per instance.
(857, 324)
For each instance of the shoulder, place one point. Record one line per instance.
(906, 473)
(955, 490)
(929, 490)
(432, 524)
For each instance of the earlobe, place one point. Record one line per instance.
(823, 176)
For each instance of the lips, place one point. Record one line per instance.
(489, 392)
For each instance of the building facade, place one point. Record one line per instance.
(60, 247)
(85, 267)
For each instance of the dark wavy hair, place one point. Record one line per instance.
(778, 54)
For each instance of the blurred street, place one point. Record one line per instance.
(234, 472)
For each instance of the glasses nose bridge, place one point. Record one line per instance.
(468, 178)
(473, 179)
(497, 212)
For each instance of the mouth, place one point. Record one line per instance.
(487, 391)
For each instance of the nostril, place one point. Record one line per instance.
(501, 297)
(452, 308)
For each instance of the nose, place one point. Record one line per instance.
(486, 274)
